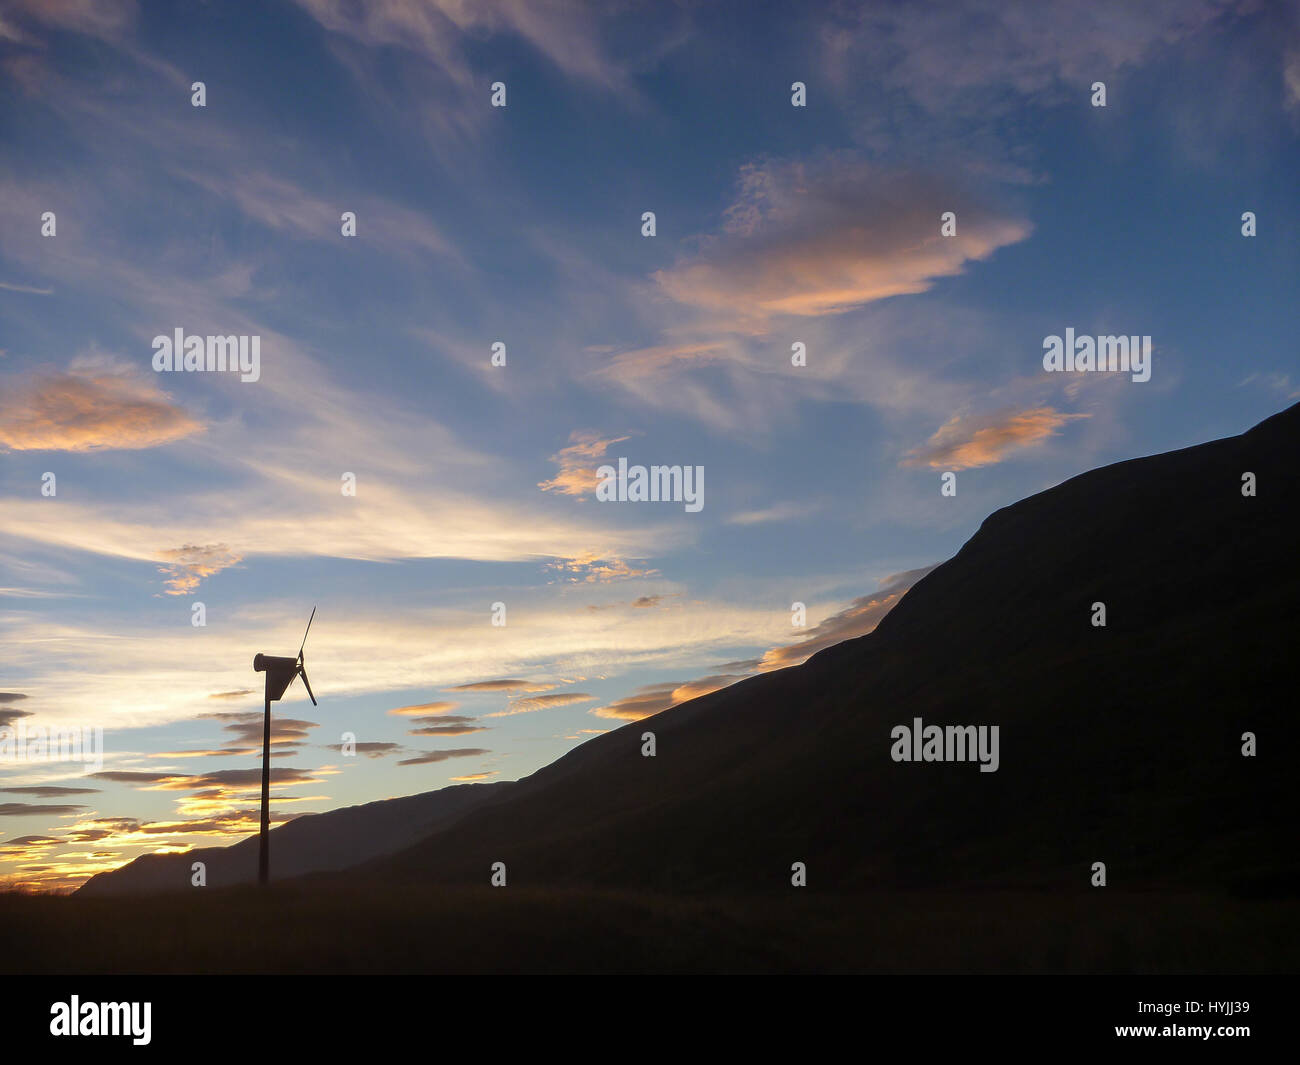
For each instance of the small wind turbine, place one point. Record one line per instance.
(280, 673)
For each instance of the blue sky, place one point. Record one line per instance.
(775, 224)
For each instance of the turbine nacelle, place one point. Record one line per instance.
(279, 675)
(280, 671)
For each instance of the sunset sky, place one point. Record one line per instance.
(522, 224)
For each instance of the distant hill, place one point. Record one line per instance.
(1119, 744)
(309, 844)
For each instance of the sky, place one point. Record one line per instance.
(384, 469)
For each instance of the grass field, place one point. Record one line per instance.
(300, 929)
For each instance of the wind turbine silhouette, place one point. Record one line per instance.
(280, 673)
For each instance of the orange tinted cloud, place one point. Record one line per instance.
(89, 410)
(965, 442)
(826, 236)
(653, 698)
(857, 619)
(116, 839)
(187, 566)
(577, 475)
(425, 709)
(592, 567)
(25, 848)
(646, 701)
(217, 793)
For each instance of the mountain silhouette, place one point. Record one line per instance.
(308, 844)
(1120, 744)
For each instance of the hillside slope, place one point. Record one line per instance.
(1119, 744)
(313, 843)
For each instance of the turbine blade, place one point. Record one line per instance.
(304, 635)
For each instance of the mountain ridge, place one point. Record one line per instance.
(1016, 602)
(1118, 743)
(307, 844)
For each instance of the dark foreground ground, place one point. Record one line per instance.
(295, 929)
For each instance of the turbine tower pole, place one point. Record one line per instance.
(280, 673)
(264, 848)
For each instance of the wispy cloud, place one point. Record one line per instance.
(425, 709)
(462, 726)
(965, 55)
(89, 409)
(432, 757)
(659, 359)
(27, 809)
(189, 565)
(577, 474)
(652, 698)
(766, 515)
(384, 522)
(593, 567)
(247, 727)
(822, 237)
(443, 30)
(100, 18)
(506, 684)
(134, 676)
(1275, 381)
(969, 441)
(286, 207)
(1291, 79)
(543, 702)
(857, 619)
(370, 748)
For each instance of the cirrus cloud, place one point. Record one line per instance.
(824, 236)
(543, 702)
(506, 684)
(576, 476)
(189, 565)
(430, 757)
(652, 698)
(89, 410)
(966, 442)
(443, 706)
(857, 619)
